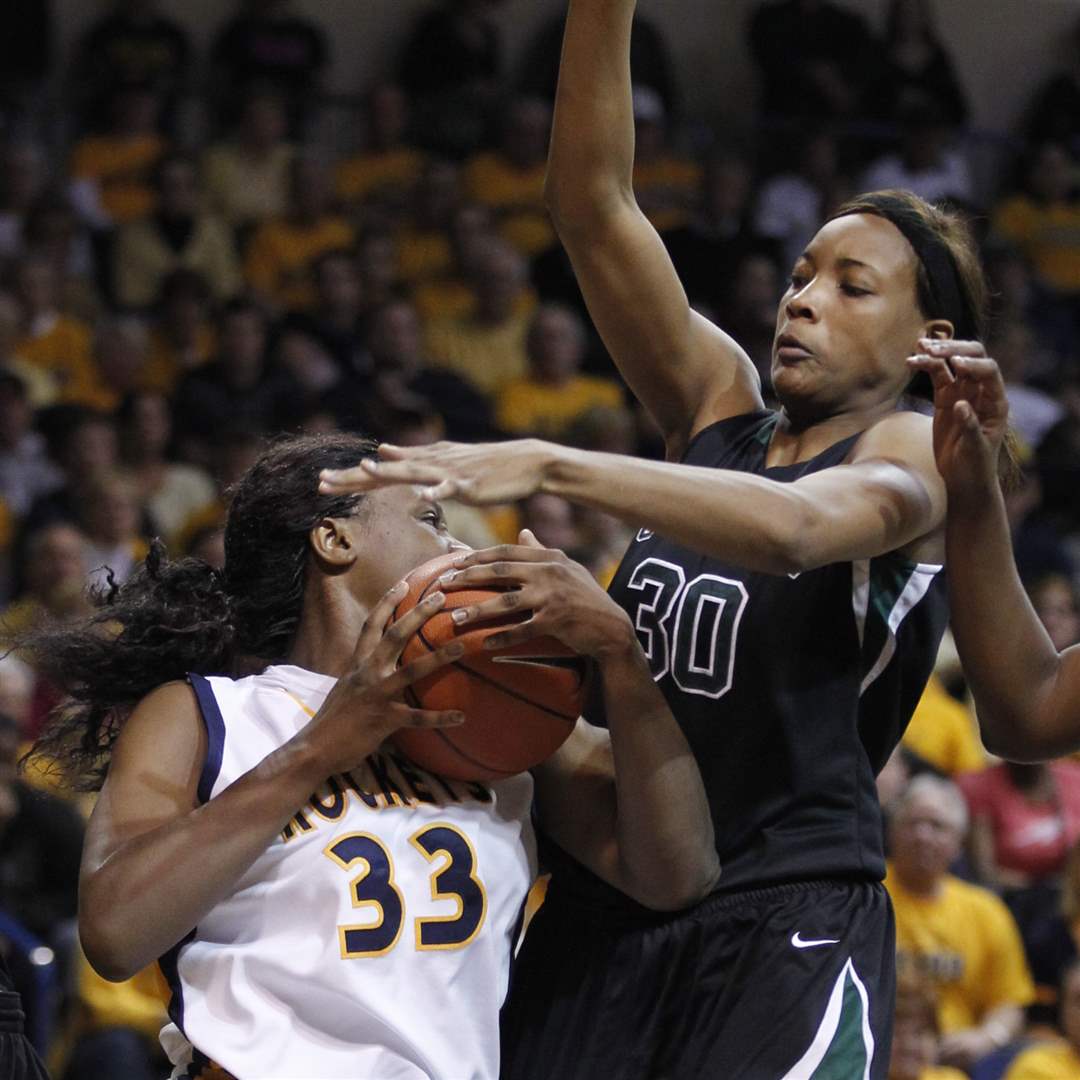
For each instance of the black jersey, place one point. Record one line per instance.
(792, 689)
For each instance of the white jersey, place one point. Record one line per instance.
(372, 938)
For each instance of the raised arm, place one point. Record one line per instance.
(155, 861)
(684, 370)
(1027, 694)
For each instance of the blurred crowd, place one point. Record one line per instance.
(191, 266)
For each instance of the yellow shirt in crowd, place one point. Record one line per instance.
(517, 196)
(526, 406)
(370, 175)
(944, 733)
(966, 943)
(1048, 235)
(122, 169)
(280, 255)
(488, 356)
(1053, 1061)
(61, 348)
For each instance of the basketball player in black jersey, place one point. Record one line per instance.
(787, 586)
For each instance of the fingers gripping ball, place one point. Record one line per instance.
(520, 703)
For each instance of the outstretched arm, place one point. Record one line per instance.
(1028, 695)
(888, 495)
(685, 371)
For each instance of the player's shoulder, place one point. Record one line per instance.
(902, 432)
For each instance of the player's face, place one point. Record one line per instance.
(400, 530)
(848, 320)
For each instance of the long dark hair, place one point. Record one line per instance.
(178, 616)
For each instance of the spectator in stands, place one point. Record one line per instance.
(554, 393)
(112, 172)
(110, 516)
(52, 230)
(1032, 412)
(791, 203)
(747, 309)
(379, 267)
(1043, 219)
(266, 43)
(667, 183)
(451, 295)
(22, 179)
(169, 491)
(1054, 112)
(1024, 820)
(450, 65)
(25, 469)
(120, 353)
(335, 325)
(282, 251)
(1059, 1060)
(914, 65)
(423, 243)
(25, 52)
(959, 936)
(926, 162)
(916, 1035)
(176, 235)
(55, 583)
(118, 1025)
(812, 58)
(41, 839)
(944, 732)
(82, 443)
(1054, 598)
(402, 379)
(706, 250)
(381, 175)
(510, 178)
(246, 176)
(487, 346)
(182, 335)
(1058, 462)
(236, 389)
(133, 43)
(58, 346)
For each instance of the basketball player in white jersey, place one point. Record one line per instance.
(320, 906)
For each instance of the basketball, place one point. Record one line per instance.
(520, 703)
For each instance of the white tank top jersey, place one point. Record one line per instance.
(372, 939)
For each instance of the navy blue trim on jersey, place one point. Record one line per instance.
(169, 963)
(215, 735)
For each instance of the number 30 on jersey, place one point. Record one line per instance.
(688, 629)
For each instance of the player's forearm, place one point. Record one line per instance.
(748, 520)
(663, 824)
(1007, 656)
(592, 143)
(153, 889)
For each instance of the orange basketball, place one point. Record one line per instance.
(520, 703)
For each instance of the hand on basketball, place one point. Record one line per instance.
(365, 705)
(563, 599)
(479, 475)
(971, 413)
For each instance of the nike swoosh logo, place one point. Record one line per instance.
(643, 534)
(799, 943)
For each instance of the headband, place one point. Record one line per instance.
(948, 299)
